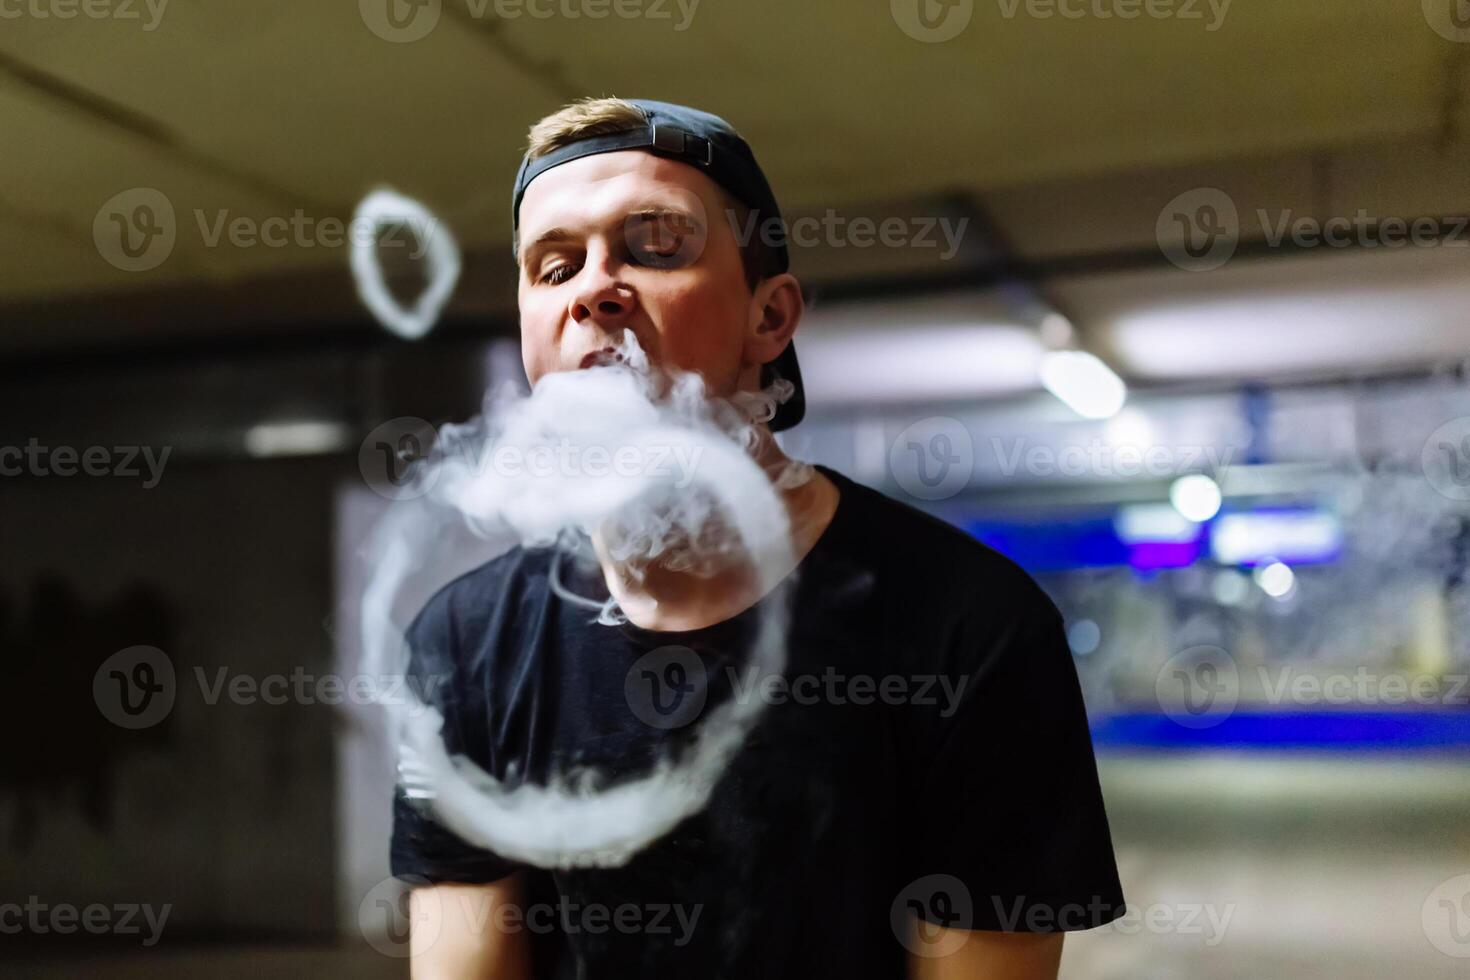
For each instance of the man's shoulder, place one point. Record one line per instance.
(932, 557)
(482, 589)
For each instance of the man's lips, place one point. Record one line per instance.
(600, 358)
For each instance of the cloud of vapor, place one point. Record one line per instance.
(719, 509)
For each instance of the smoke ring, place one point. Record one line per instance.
(385, 207)
(567, 823)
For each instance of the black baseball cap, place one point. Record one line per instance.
(710, 144)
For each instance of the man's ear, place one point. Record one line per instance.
(776, 307)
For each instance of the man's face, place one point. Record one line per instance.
(629, 240)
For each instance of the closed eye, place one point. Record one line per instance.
(559, 274)
(655, 257)
(665, 243)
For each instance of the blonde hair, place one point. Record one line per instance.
(580, 120)
(600, 116)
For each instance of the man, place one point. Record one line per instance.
(923, 801)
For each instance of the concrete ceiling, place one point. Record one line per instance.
(274, 107)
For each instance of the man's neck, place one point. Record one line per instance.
(663, 599)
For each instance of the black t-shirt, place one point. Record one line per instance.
(927, 750)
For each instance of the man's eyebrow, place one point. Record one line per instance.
(548, 237)
(659, 213)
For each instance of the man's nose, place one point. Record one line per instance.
(603, 298)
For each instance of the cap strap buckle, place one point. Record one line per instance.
(686, 146)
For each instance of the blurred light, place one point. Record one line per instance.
(1130, 427)
(1057, 331)
(924, 361)
(1262, 537)
(296, 439)
(1196, 496)
(1083, 637)
(1083, 383)
(1149, 555)
(1335, 309)
(1230, 588)
(1055, 542)
(1276, 580)
(1153, 522)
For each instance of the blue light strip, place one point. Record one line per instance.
(1276, 731)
